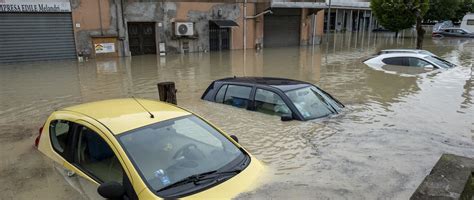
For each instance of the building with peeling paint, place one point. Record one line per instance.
(34, 30)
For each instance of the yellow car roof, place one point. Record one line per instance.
(121, 115)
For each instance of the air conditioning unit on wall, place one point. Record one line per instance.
(184, 29)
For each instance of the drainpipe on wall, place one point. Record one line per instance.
(254, 17)
(313, 24)
(117, 19)
(259, 14)
(123, 16)
(245, 24)
(117, 24)
(100, 19)
(124, 35)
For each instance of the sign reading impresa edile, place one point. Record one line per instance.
(35, 6)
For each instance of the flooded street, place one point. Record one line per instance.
(393, 131)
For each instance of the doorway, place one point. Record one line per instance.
(141, 36)
(219, 38)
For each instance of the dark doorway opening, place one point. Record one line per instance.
(219, 38)
(141, 38)
(332, 25)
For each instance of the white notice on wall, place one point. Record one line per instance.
(104, 48)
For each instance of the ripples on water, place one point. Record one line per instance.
(393, 130)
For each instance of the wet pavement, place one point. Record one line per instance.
(393, 131)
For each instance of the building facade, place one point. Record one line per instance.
(148, 27)
(350, 15)
(33, 30)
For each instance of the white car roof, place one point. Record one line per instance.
(391, 55)
(413, 50)
(419, 51)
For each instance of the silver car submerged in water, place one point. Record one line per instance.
(453, 32)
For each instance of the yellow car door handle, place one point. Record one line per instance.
(70, 173)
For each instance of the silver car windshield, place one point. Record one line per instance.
(169, 151)
(313, 103)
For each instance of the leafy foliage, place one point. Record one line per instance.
(396, 15)
(392, 15)
(465, 6)
(449, 10)
(442, 10)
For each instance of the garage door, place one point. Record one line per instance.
(282, 28)
(36, 36)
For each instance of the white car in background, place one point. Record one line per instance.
(467, 22)
(408, 63)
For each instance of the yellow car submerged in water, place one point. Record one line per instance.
(144, 149)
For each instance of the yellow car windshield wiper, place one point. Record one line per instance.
(200, 177)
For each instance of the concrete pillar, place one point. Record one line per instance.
(335, 23)
(351, 21)
(344, 24)
(358, 20)
(370, 21)
(370, 30)
(365, 21)
(120, 28)
(320, 23)
(312, 30)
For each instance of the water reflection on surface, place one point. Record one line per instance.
(393, 130)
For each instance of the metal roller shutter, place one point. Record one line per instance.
(282, 28)
(36, 36)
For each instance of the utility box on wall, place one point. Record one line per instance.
(105, 46)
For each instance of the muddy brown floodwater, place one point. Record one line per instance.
(393, 131)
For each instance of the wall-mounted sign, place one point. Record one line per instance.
(104, 48)
(35, 6)
(162, 49)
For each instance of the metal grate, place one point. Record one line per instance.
(219, 38)
(36, 37)
(142, 38)
(282, 28)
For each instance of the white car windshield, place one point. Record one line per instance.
(313, 103)
(440, 62)
(168, 152)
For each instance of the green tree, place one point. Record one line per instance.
(465, 6)
(442, 10)
(393, 15)
(453, 10)
(397, 15)
(419, 8)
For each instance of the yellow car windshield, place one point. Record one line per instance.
(170, 151)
